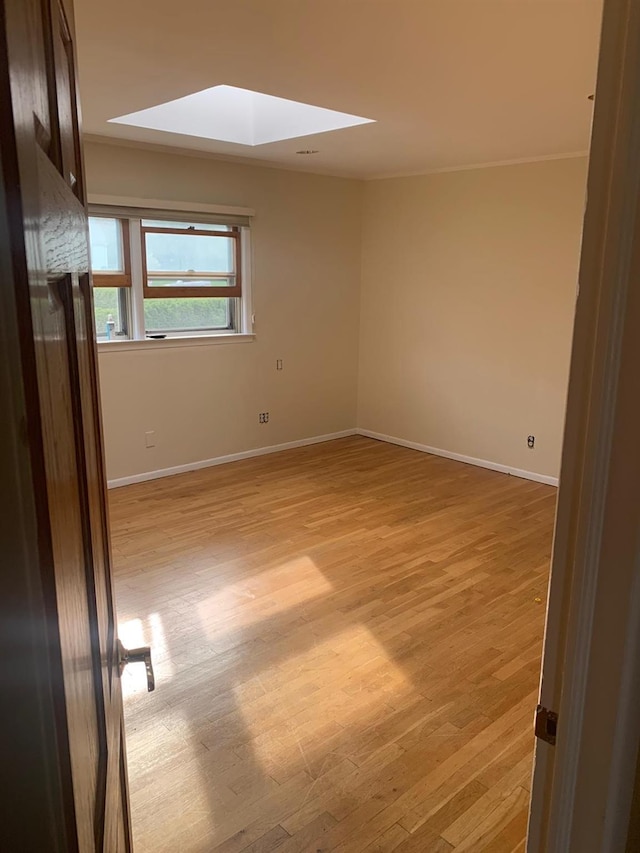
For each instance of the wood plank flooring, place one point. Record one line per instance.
(347, 643)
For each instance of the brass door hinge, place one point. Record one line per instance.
(546, 725)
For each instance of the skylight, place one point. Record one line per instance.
(229, 114)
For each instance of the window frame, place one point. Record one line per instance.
(104, 278)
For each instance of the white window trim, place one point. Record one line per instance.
(247, 317)
(136, 297)
(182, 207)
(213, 339)
(138, 339)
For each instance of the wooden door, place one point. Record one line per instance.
(60, 481)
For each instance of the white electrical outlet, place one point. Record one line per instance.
(150, 438)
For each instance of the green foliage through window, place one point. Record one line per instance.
(178, 313)
(106, 309)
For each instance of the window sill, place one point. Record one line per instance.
(171, 343)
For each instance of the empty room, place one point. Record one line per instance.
(334, 251)
(333, 494)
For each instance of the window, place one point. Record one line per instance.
(183, 278)
(111, 312)
(111, 266)
(191, 276)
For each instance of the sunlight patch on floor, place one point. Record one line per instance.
(259, 597)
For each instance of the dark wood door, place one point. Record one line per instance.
(59, 471)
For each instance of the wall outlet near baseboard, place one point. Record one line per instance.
(278, 364)
(531, 441)
(150, 438)
(263, 417)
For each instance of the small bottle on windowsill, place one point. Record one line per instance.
(111, 325)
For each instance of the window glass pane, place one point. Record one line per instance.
(105, 238)
(189, 253)
(199, 226)
(108, 311)
(186, 314)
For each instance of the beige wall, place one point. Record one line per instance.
(459, 289)
(204, 401)
(468, 291)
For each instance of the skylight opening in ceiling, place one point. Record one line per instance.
(230, 114)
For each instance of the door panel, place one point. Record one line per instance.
(64, 83)
(41, 106)
(58, 354)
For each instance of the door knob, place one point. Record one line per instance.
(141, 655)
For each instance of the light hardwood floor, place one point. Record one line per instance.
(347, 644)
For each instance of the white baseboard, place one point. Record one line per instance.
(222, 460)
(458, 457)
(318, 439)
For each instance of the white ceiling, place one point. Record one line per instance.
(450, 83)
